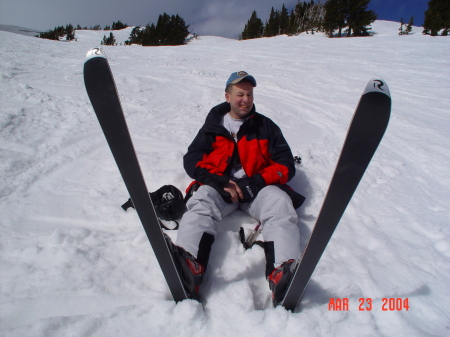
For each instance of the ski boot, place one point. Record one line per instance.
(190, 270)
(279, 280)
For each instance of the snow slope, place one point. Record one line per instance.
(19, 30)
(73, 263)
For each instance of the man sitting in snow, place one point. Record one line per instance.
(239, 159)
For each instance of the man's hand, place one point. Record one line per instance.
(218, 182)
(250, 187)
(234, 190)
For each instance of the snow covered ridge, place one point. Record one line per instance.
(379, 27)
(19, 30)
(74, 263)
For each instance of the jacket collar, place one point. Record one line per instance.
(215, 115)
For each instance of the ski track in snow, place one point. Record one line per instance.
(73, 263)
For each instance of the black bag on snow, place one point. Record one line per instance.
(168, 202)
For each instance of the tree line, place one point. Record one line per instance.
(306, 16)
(169, 30)
(310, 16)
(68, 31)
(338, 17)
(333, 17)
(59, 32)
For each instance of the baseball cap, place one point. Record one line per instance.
(238, 76)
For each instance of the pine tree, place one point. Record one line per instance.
(135, 36)
(254, 28)
(401, 27)
(352, 14)
(118, 25)
(302, 11)
(161, 28)
(272, 25)
(335, 16)
(316, 16)
(149, 37)
(293, 25)
(310, 16)
(408, 30)
(109, 41)
(437, 17)
(359, 17)
(283, 21)
(49, 35)
(178, 31)
(169, 30)
(70, 32)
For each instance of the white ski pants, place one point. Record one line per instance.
(272, 207)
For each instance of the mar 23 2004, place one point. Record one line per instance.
(367, 304)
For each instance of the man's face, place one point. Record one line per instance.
(240, 98)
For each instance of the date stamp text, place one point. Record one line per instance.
(366, 304)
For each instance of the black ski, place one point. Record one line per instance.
(102, 92)
(365, 133)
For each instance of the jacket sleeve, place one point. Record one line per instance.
(198, 148)
(201, 146)
(282, 165)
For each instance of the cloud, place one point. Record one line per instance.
(222, 19)
(228, 18)
(205, 17)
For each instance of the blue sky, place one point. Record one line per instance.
(205, 17)
(394, 10)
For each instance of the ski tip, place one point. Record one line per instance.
(377, 84)
(95, 52)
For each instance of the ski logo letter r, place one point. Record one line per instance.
(380, 84)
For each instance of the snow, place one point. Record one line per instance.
(74, 263)
(19, 30)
